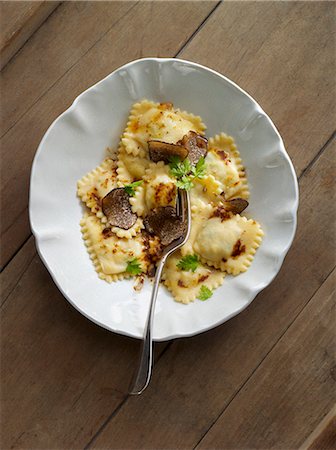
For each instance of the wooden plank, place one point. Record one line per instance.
(61, 375)
(198, 377)
(324, 435)
(18, 21)
(48, 55)
(118, 45)
(283, 55)
(13, 272)
(291, 390)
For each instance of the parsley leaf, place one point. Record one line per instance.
(133, 267)
(185, 183)
(204, 293)
(179, 168)
(130, 188)
(188, 262)
(199, 170)
(174, 160)
(184, 172)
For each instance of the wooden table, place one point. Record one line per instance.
(264, 379)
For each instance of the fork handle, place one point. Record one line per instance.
(142, 375)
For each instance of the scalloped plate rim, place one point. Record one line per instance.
(252, 292)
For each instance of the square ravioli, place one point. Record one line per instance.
(109, 253)
(185, 285)
(224, 163)
(93, 187)
(159, 121)
(227, 242)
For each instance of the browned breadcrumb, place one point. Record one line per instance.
(238, 249)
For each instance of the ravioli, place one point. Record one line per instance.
(159, 121)
(185, 285)
(93, 187)
(109, 253)
(224, 163)
(228, 245)
(158, 189)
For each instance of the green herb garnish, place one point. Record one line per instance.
(133, 267)
(130, 188)
(185, 183)
(199, 170)
(185, 173)
(179, 168)
(188, 262)
(204, 293)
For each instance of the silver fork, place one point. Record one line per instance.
(142, 376)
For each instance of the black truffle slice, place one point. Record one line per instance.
(196, 145)
(117, 209)
(164, 223)
(236, 205)
(163, 151)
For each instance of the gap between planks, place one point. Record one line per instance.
(202, 24)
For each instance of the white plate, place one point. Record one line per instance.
(75, 143)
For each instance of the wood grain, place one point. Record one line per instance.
(282, 53)
(198, 377)
(61, 374)
(291, 390)
(117, 46)
(18, 21)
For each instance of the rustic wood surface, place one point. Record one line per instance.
(324, 435)
(265, 379)
(18, 21)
